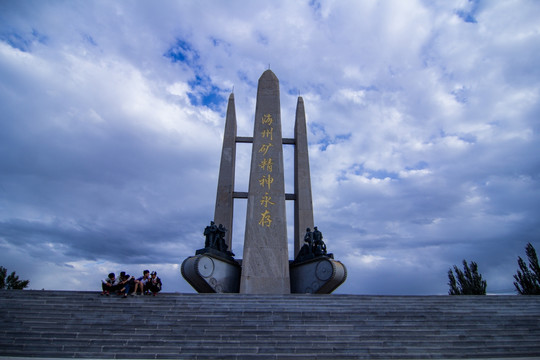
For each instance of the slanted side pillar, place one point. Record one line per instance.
(223, 213)
(303, 205)
(265, 266)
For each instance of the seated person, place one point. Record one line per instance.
(110, 284)
(126, 284)
(142, 283)
(154, 284)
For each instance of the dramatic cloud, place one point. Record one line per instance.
(422, 124)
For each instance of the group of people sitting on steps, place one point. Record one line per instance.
(148, 284)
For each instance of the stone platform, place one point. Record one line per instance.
(64, 324)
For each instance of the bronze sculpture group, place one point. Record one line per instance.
(215, 238)
(315, 242)
(314, 247)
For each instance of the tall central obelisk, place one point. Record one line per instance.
(265, 266)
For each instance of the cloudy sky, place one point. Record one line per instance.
(423, 128)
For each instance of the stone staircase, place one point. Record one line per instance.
(65, 324)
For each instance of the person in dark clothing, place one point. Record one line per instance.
(110, 284)
(154, 284)
(126, 284)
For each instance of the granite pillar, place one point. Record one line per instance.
(303, 205)
(223, 213)
(265, 264)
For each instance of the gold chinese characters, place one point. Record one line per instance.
(266, 164)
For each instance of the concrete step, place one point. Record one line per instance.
(233, 326)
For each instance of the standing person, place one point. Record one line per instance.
(142, 283)
(110, 284)
(154, 284)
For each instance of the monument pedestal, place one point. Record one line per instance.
(211, 273)
(320, 275)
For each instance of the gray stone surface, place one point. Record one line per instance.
(223, 213)
(63, 324)
(211, 272)
(321, 275)
(265, 265)
(303, 206)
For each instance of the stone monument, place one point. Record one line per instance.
(265, 268)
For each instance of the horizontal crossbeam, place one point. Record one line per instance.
(244, 195)
(249, 140)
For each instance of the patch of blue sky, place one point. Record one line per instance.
(343, 137)
(205, 93)
(16, 41)
(202, 91)
(23, 42)
(293, 91)
(469, 15)
(199, 81)
(421, 165)
(324, 143)
(466, 16)
(212, 99)
(381, 174)
(183, 52)
(359, 169)
(327, 140)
